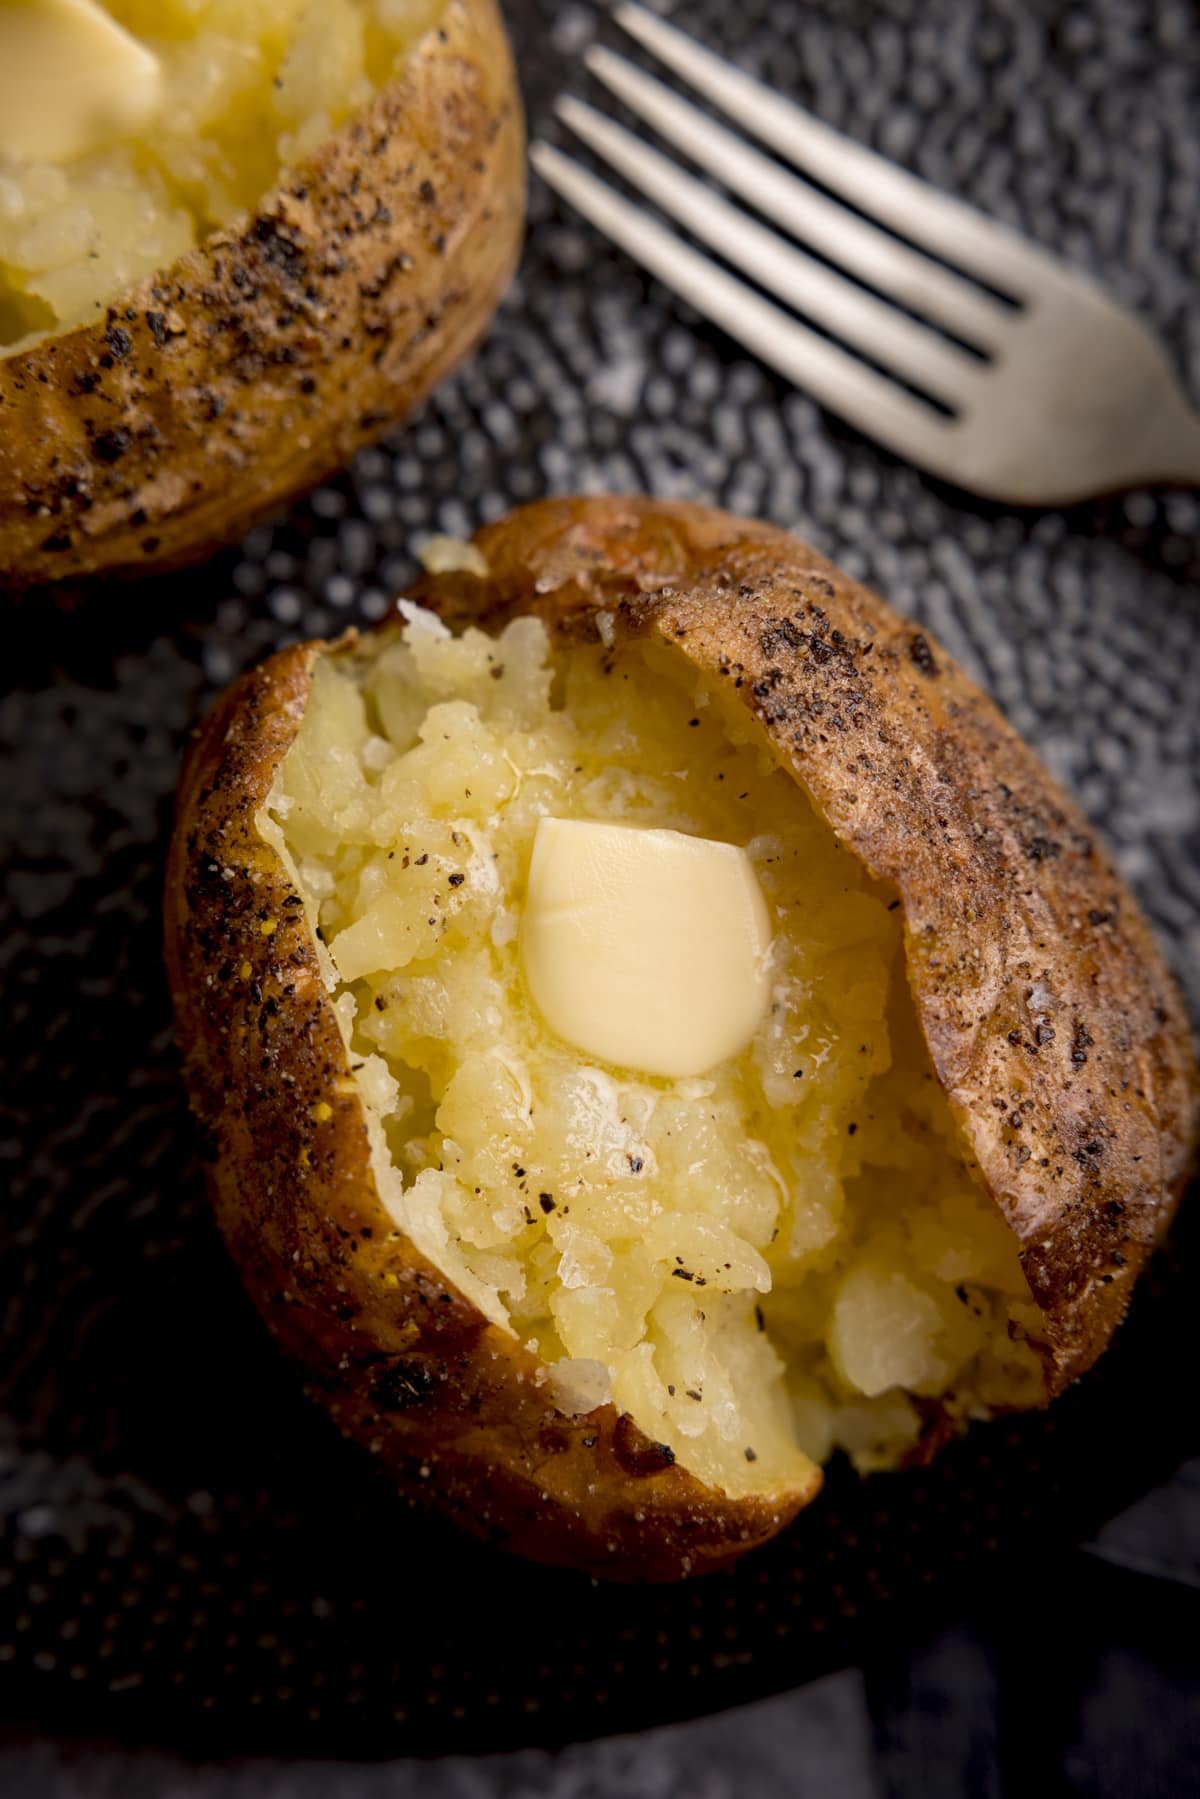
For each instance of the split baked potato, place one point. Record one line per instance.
(601, 1314)
(215, 311)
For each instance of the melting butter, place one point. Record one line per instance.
(71, 80)
(645, 948)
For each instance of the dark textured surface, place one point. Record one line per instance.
(189, 1555)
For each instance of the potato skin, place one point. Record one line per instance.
(1052, 1021)
(263, 359)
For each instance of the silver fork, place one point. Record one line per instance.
(1050, 394)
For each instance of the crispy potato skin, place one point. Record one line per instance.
(1052, 1021)
(268, 355)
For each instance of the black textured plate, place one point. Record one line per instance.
(188, 1551)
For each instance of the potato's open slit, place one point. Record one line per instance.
(784, 1256)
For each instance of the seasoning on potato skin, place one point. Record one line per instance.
(929, 787)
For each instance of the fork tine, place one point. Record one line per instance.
(848, 240)
(858, 318)
(835, 378)
(909, 205)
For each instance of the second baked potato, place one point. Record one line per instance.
(214, 312)
(833, 1095)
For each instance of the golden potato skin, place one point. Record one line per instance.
(263, 359)
(1081, 1112)
(458, 1411)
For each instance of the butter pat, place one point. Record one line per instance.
(71, 80)
(645, 948)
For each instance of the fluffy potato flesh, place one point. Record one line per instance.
(787, 1255)
(250, 87)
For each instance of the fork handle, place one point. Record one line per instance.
(1176, 453)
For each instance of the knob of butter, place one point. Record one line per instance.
(71, 79)
(645, 948)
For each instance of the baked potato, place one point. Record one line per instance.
(603, 1314)
(196, 326)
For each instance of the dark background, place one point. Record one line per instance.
(201, 1588)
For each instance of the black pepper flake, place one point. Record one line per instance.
(682, 1274)
(750, 1454)
(1118, 1258)
(110, 446)
(590, 1442)
(422, 859)
(893, 905)
(759, 1319)
(546, 1201)
(694, 1393)
(1080, 1044)
(635, 1164)
(798, 1074)
(427, 192)
(922, 656)
(851, 1129)
(457, 880)
(118, 341)
(381, 1004)
(401, 1385)
(693, 722)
